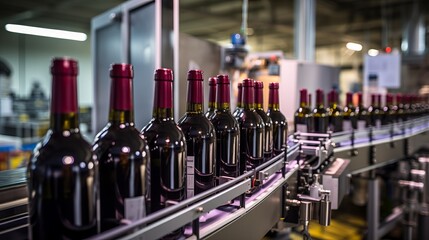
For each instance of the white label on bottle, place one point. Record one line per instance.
(135, 208)
(347, 125)
(301, 128)
(378, 123)
(190, 176)
(361, 124)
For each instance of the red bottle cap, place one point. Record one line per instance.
(121, 95)
(164, 74)
(195, 75)
(64, 66)
(121, 70)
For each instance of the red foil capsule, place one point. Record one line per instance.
(195, 86)
(248, 91)
(121, 95)
(223, 89)
(64, 85)
(259, 97)
(163, 88)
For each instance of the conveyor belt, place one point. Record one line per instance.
(210, 216)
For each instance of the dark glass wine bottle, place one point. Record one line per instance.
(61, 174)
(227, 134)
(200, 139)
(335, 113)
(268, 138)
(167, 146)
(362, 114)
(123, 156)
(400, 113)
(239, 107)
(374, 111)
(388, 113)
(350, 119)
(320, 115)
(303, 113)
(252, 131)
(211, 107)
(280, 126)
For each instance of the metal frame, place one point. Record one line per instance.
(165, 55)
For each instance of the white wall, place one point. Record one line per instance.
(30, 57)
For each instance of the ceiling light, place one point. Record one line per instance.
(354, 46)
(373, 52)
(46, 32)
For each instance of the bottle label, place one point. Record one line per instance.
(347, 125)
(135, 208)
(361, 125)
(301, 128)
(190, 176)
(378, 123)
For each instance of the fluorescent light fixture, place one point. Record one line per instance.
(373, 52)
(354, 46)
(46, 32)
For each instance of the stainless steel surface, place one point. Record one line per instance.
(305, 30)
(295, 75)
(269, 171)
(187, 215)
(373, 209)
(424, 165)
(325, 210)
(140, 32)
(336, 180)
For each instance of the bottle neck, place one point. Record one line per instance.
(195, 96)
(259, 98)
(163, 100)
(240, 97)
(223, 97)
(212, 98)
(273, 100)
(248, 98)
(121, 101)
(64, 108)
(320, 101)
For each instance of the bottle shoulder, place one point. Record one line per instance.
(58, 149)
(249, 118)
(264, 116)
(117, 137)
(163, 132)
(276, 116)
(196, 125)
(224, 120)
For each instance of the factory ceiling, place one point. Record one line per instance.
(374, 23)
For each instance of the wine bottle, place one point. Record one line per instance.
(211, 108)
(61, 173)
(252, 131)
(268, 138)
(200, 139)
(123, 156)
(303, 113)
(167, 146)
(227, 133)
(239, 107)
(320, 115)
(280, 126)
(362, 114)
(400, 113)
(350, 119)
(388, 112)
(374, 111)
(335, 113)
